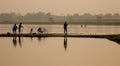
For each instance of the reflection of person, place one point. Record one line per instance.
(65, 27)
(65, 43)
(20, 41)
(14, 41)
(39, 39)
(20, 26)
(14, 28)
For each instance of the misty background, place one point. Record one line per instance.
(60, 11)
(48, 17)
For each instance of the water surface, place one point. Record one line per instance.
(73, 29)
(59, 51)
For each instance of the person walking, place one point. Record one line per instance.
(65, 27)
(20, 26)
(14, 28)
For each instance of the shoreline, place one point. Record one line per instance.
(111, 37)
(56, 35)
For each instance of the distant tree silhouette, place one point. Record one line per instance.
(48, 17)
(99, 18)
(51, 19)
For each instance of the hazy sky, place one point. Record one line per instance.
(59, 7)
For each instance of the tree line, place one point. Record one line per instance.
(48, 17)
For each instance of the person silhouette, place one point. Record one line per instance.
(14, 28)
(20, 26)
(31, 30)
(65, 27)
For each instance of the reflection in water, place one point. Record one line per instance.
(20, 41)
(39, 39)
(65, 43)
(81, 52)
(31, 38)
(15, 41)
(114, 40)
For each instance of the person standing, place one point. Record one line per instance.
(31, 30)
(14, 28)
(20, 26)
(65, 27)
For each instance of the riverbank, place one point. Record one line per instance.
(115, 38)
(56, 35)
(111, 37)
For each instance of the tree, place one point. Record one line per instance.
(108, 16)
(76, 15)
(116, 16)
(50, 19)
(99, 18)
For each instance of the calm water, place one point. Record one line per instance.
(60, 51)
(75, 29)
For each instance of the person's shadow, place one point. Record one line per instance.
(65, 43)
